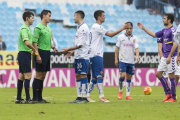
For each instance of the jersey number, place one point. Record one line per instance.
(79, 65)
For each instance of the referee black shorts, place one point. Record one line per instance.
(45, 65)
(24, 60)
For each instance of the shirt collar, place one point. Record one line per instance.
(80, 25)
(127, 36)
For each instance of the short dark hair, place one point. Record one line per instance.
(130, 23)
(81, 13)
(98, 13)
(170, 17)
(27, 14)
(44, 12)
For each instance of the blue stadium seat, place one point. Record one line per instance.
(38, 10)
(4, 4)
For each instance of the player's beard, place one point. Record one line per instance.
(128, 33)
(165, 24)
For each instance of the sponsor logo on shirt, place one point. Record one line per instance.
(129, 45)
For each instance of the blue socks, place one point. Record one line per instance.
(91, 87)
(84, 87)
(121, 80)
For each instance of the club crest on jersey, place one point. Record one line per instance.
(134, 41)
(37, 35)
(101, 72)
(166, 32)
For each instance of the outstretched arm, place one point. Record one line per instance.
(111, 34)
(160, 50)
(140, 25)
(116, 56)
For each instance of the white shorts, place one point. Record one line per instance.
(169, 68)
(166, 75)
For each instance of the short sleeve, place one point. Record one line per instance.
(160, 40)
(118, 43)
(24, 34)
(173, 31)
(100, 29)
(82, 33)
(136, 43)
(36, 34)
(159, 34)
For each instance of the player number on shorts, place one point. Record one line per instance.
(79, 65)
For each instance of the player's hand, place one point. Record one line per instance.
(125, 26)
(178, 60)
(116, 63)
(168, 60)
(140, 25)
(38, 59)
(69, 54)
(64, 51)
(137, 59)
(56, 50)
(35, 53)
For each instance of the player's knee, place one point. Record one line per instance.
(21, 76)
(27, 76)
(129, 77)
(171, 75)
(158, 75)
(83, 76)
(122, 76)
(78, 76)
(95, 79)
(40, 76)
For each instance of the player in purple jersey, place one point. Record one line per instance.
(160, 49)
(168, 61)
(165, 74)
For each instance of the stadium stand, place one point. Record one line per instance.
(64, 29)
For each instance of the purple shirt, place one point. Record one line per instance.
(168, 39)
(160, 40)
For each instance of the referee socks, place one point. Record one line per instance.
(27, 86)
(35, 89)
(19, 89)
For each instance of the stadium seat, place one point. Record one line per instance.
(116, 16)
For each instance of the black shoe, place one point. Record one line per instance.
(43, 101)
(19, 101)
(84, 100)
(78, 99)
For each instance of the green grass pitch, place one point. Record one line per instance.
(143, 107)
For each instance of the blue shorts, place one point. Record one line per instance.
(81, 66)
(45, 65)
(97, 66)
(126, 67)
(24, 60)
